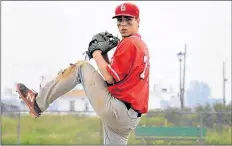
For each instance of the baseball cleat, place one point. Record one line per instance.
(29, 98)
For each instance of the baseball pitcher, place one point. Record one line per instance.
(119, 95)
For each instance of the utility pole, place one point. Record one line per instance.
(224, 85)
(180, 54)
(183, 91)
(181, 99)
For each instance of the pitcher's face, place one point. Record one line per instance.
(127, 25)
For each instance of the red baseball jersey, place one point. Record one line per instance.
(130, 69)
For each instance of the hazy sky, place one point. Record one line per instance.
(40, 38)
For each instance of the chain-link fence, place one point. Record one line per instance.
(86, 127)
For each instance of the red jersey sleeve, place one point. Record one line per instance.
(122, 61)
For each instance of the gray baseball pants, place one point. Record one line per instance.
(117, 120)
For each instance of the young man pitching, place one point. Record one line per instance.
(120, 96)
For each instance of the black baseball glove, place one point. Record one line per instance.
(103, 41)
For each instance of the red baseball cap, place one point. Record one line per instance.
(126, 9)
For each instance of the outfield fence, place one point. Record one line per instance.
(86, 128)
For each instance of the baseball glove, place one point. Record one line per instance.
(103, 41)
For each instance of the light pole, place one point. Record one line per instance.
(180, 55)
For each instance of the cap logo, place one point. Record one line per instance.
(123, 7)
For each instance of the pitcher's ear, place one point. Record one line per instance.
(138, 21)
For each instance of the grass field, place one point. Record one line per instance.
(72, 129)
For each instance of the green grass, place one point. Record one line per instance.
(222, 137)
(72, 129)
(52, 130)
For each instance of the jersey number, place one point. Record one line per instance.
(145, 60)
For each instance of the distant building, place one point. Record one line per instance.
(199, 94)
(166, 95)
(75, 100)
(154, 101)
